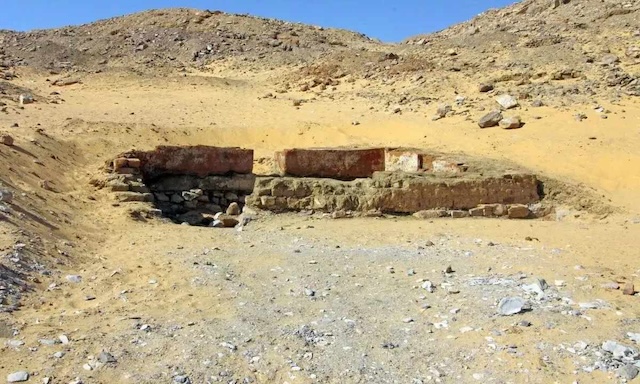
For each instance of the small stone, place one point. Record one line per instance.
(449, 269)
(309, 292)
(233, 210)
(466, 329)
(224, 221)
(182, 379)
(580, 116)
(512, 122)
(611, 286)
(87, 367)
(511, 305)
(229, 346)
(25, 98)
(15, 343)
(411, 272)
(18, 377)
(407, 320)
(64, 339)
(442, 111)
(297, 103)
(629, 289)
(74, 279)
(484, 87)
(610, 60)
(48, 342)
(429, 286)
(628, 372)
(6, 140)
(58, 355)
(46, 185)
(524, 323)
(634, 337)
(491, 119)
(507, 101)
(6, 196)
(106, 358)
(619, 351)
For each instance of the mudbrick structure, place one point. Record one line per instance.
(196, 185)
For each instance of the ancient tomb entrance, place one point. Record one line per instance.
(198, 185)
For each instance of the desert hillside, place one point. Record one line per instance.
(97, 290)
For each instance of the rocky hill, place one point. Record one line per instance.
(173, 38)
(534, 49)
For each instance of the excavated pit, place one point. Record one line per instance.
(192, 185)
(196, 200)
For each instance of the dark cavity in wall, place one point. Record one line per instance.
(196, 200)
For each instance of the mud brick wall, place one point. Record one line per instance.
(395, 193)
(341, 164)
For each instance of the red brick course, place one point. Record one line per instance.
(342, 164)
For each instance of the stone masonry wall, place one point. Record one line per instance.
(187, 184)
(195, 185)
(399, 193)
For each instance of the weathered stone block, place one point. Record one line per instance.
(430, 214)
(457, 214)
(117, 186)
(126, 197)
(138, 187)
(118, 163)
(499, 209)
(518, 211)
(238, 182)
(477, 212)
(402, 161)
(342, 164)
(446, 166)
(126, 171)
(133, 163)
(197, 160)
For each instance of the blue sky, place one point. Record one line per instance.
(388, 20)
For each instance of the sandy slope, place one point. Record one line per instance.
(111, 113)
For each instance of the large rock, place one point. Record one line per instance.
(18, 377)
(511, 305)
(507, 101)
(197, 160)
(342, 164)
(491, 119)
(512, 122)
